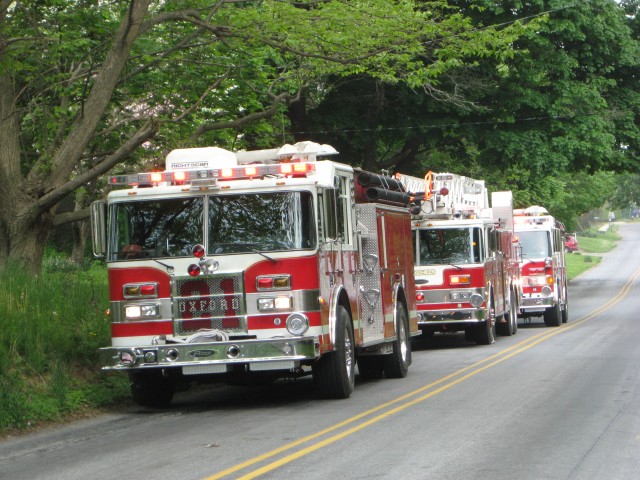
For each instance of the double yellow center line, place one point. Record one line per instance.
(385, 410)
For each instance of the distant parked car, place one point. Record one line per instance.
(570, 244)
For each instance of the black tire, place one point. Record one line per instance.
(486, 331)
(334, 372)
(553, 316)
(370, 367)
(511, 326)
(486, 334)
(151, 390)
(470, 334)
(565, 310)
(397, 364)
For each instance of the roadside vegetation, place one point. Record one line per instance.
(52, 326)
(592, 244)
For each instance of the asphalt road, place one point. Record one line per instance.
(547, 403)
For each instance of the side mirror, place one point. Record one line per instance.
(329, 207)
(99, 228)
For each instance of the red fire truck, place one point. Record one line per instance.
(466, 268)
(544, 274)
(237, 266)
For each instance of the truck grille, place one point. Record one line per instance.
(209, 302)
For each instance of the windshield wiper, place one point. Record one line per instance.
(263, 254)
(168, 267)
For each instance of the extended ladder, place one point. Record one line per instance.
(446, 195)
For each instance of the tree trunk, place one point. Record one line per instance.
(27, 242)
(28, 203)
(81, 232)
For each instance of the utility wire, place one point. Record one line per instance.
(450, 125)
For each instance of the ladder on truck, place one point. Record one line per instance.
(446, 195)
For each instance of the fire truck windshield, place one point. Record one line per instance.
(261, 222)
(157, 228)
(446, 246)
(237, 224)
(535, 243)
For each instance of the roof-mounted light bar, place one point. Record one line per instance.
(533, 211)
(205, 166)
(211, 177)
(178, 177)
(304, 151)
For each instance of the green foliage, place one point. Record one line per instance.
(627, 191)
(580, 194)
(13, 407)
(250, 53)
(51, 328)
(548, 121)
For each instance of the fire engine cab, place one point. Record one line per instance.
(544, 275)
(261, 264)
(465, 264)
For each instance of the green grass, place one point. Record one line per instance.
(591, 244)
(598, 242)
(51, 327)
(578, 263)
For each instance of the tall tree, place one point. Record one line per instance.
(565, 101)
(85, 84)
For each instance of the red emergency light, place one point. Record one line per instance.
(182, 177)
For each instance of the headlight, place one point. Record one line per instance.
(128, 357)
(546, 291)
(275, 303)
(460, 296)
(138, 312)
(297, 324)
(476, 300)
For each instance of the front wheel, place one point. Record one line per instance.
(565, 310)
(486, 331)
(553, 316)
(334, 372)
(397, 364)
(153, 391)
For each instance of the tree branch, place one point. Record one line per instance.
(71, 150)
(70, 217)
(252, 117)
(47, 201)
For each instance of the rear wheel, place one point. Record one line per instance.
(397, 364)
(565, 310)
(334, 372)
(510, 327)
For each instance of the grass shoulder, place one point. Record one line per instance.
(592, 245)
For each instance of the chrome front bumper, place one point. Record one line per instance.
(213, 357)
(536, 304)
(432, 317)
